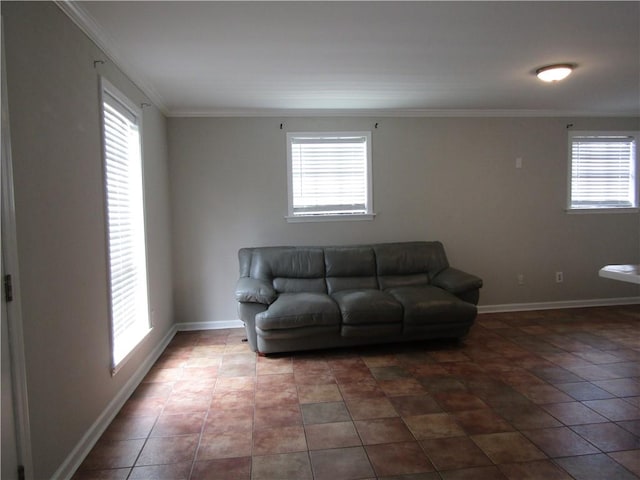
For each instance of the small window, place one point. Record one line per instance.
(129, 304)
(602, 171)
(329, 176)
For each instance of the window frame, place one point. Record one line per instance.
(130, 109)
(635, 135)
(368, 214)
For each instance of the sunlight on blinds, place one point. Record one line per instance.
(329, 175)
(603, 172)
(125, 222)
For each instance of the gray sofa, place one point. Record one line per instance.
(301, 298)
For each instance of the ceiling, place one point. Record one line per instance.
(395, 58)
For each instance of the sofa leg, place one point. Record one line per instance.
(262, 354)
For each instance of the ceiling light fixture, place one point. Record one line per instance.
(554, 73)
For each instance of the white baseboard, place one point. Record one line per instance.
(523, 307)
(509, 307)
(87, 442)
(188, 326)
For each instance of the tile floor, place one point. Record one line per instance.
(530, 395)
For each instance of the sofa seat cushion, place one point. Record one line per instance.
(297, 310)
(367, 307)
(431, 305)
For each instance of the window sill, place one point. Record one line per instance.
(117, 365)
(582, 211)
(330, 218)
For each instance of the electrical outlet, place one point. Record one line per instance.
(559, 277)
(520, 279)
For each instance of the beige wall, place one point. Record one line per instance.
(451, 179)
(54, 113)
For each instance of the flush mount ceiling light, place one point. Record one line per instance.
(554, 73)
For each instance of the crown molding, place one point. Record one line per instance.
(97, 35)
(394, 112)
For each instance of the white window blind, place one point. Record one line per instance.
(329, 173)
(125, 225)
(603, 172)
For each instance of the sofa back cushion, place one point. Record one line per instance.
(350, 268)
(290, 269)
(244, 259)
(409, 264)
(334, 269)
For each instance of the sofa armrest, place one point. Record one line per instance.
(456, 281)
(255, 291)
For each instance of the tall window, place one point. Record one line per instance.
(329, 176)
(603, 171)
(125, 223)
